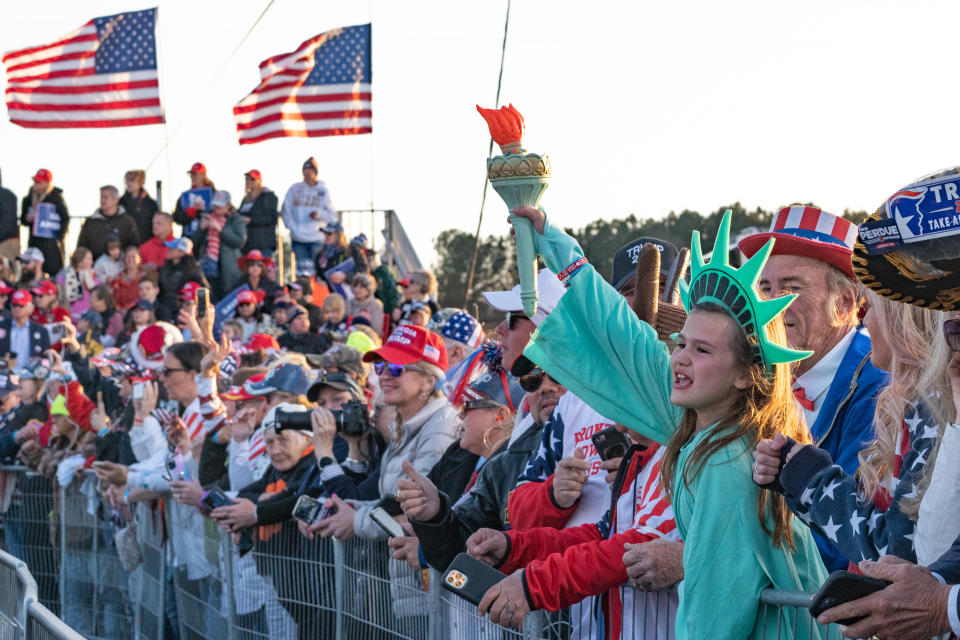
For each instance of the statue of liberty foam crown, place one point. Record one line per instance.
(734, 291)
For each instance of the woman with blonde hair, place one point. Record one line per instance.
(874, 513)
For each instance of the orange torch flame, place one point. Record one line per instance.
(506, 127)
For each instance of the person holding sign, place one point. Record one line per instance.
(45, 212)
(195, 200)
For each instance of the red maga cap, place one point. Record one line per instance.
(255, 174)
(410, 343)
(43, 175)
(21, 297)
(197, 168)
(189, 291)
(44, 288)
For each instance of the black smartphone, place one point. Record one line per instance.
(469, 578)
(844, 586)
(306, 509)
(610, 443)
(203, 301)
(216, 498)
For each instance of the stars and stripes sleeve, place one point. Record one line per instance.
(830, 500)
(212, 411)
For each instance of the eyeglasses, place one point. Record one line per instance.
(165, 371)
(532, 381)
(396, 370)
(951, 331)
(512, 317)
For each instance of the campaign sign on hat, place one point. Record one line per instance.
(5, 289)
(808, 232)
(625, 259)
(247, 297)
(909, 249)
(253, 255)
(494, 388)
(183, 244)
(197, 168)
(43, 175)
(255, 174)
(408, 344)
(21, 297)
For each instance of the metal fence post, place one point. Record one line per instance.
(339, 580)
(226, 549)
(62, 582)
(435, 614)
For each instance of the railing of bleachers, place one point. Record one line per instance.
(132, 571)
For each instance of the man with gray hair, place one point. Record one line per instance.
(109, 219)
(837, 386)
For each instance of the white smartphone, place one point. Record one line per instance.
(390, 526)
(138, 390)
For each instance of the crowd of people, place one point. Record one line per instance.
(786, 409)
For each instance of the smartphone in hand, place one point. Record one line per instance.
(610, 443)
(469, 578)
(841, 587)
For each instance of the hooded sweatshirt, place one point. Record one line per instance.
(301, 201)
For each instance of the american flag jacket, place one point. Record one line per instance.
(831, 501)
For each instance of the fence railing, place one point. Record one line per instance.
(158, 570)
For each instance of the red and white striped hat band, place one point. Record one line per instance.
(815, 224)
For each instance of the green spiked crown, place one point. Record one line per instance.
(733, 290)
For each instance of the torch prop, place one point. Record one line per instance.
(519, 178)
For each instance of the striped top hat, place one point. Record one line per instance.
(809, 232)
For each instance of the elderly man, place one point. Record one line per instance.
(46, 202)
(837, 386)
(109, 219)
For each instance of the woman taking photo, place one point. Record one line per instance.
(725, 386)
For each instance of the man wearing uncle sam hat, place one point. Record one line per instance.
(837, 385)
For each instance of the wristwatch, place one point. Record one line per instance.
(325, 461)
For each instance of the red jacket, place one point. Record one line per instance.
(564, 566)
(153, 252)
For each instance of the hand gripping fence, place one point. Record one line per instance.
(157, 569)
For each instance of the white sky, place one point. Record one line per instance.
(643, 107)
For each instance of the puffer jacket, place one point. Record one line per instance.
(446, 534)
(422, 441)
(98, 228)
(174, 275)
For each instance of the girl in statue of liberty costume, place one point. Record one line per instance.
(725, 386)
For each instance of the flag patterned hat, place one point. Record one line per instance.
(456, 324)
(733, 290)
(809, 232)
(909, 249)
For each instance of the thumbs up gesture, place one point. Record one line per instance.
(569, 478)
(417, 496)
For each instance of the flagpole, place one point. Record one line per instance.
(373, 216)
(483, 200)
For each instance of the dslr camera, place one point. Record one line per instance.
(352, 419)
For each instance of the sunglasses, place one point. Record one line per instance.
(165, 371)
(532, 381)
(951, 331)
(395, 370)
(512, 317)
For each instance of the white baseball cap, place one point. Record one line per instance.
(549, 288)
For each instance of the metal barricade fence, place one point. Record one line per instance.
(162, 570)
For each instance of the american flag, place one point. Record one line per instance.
(103, 74)
(321, 89)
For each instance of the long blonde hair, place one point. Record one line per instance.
(918, 375)
(765, 408)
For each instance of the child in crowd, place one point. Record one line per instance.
(417, 287)
(336, 323)
(110, 264)
(150, 291)
(364, 304)
(76, 281)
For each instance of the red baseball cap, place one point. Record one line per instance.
(189, 291)
(21, 297)
(44, 288)
(261, 341)
(197, 168)
(43, 175)
(255, 174)
(237, 393)
(5, 289)
(410, 343)
(246, 296)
